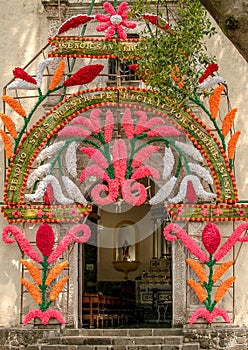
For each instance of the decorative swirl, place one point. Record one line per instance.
(133, 192)
(24, 244)
(232, 240)
(112, 188)
(189, 243)
(71, 236)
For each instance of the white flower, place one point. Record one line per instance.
(200, 192)
(41, 189)
(169, 162)
(190, 150)
(23, 84)
(202, 172)
(49, 151)
(71, 159)
(73, 191)
(211, 81)
(164, 192)
(37, 174)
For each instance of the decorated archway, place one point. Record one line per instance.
(99, 146)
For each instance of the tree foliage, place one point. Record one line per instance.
(172, 60)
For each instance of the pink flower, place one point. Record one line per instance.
(209, 316)
(115, 22)
(50, 214)
(16, 214)
(241, 212)
(204, 212)
(179, 211)
(40, 213)
(74, 212)
(211, 237)
(217, 212)
(45, 239)
(44, 316)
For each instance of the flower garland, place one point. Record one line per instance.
(55, 271)
(169, 162)
(198, 188)
(189, 150)
(228, 121)
(33, 270)
(232, 144)
(164, 192)
(71, 159)
(37, 174)
(45, 240)
(84, 75)
(14, 104)
(211, 240)
(211, 81)
(74, 22)
(57, 288)
(214, 101)
(73, 191)
(9, 124)
(57, 76)
(7, 144)
(211, 68)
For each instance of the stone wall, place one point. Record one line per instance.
(217, 337)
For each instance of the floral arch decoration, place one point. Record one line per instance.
(119, 150)
(73, 128)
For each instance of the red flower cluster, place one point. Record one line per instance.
(211, 68)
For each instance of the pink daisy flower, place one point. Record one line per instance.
(115, 22)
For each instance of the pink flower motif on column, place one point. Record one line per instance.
(115, 22)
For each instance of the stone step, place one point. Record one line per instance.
(123, 332)
(117, 340)
(104, 347)
(191, 346)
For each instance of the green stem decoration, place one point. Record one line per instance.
(200, 104)
(209, 285)
(27, 119)
(44, 305)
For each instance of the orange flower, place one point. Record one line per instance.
(9, 124)
(33, 290)
(55, 271)
(33, 270)
(57, 288)
(232, 144)
(221, 270)
(7, 144)
(57, 75)
(14, 104)
(228, 121)
(198, 269)
(214, 101)
(223, 288)
(177, 77)
(199, 291)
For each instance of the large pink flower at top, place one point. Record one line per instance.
(115, 22)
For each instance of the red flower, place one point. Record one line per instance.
(211, 68)
(45, 239)
(84, 75)
(21, 74)
(49, 195)
(74, 22)
(16, 214)
(115, 22)
(40, 213)
(211, 237)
